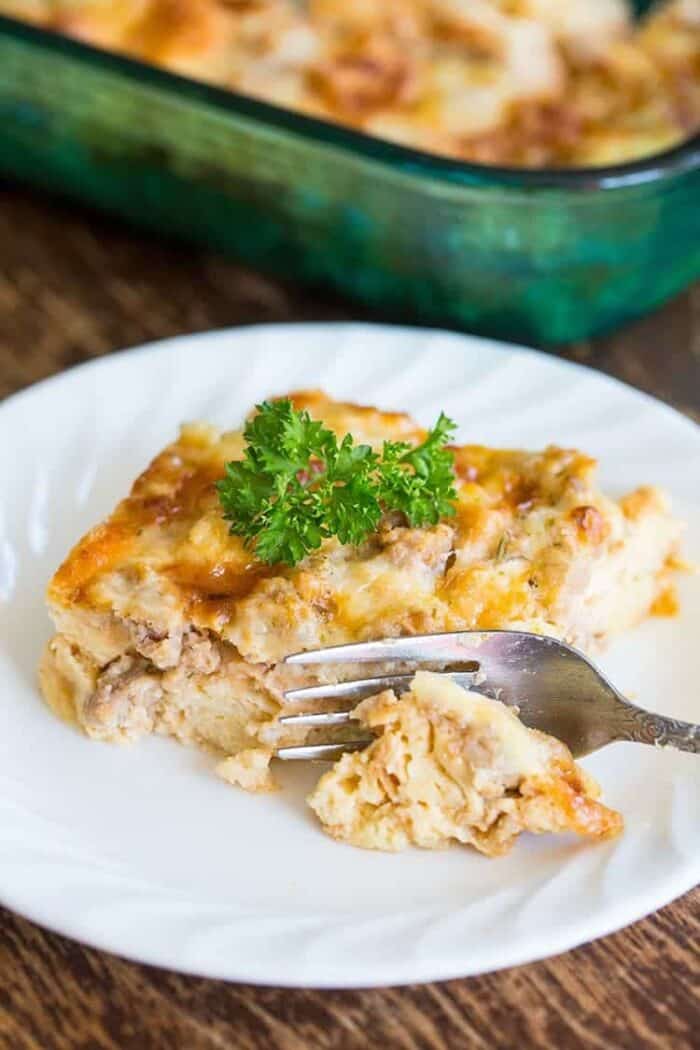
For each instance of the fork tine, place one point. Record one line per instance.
(353, 690)
(454, 646)
(359, 688)
(318, 718)
(327, 752)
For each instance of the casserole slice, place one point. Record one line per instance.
(166, 623)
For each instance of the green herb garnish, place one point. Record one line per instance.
(298, 485)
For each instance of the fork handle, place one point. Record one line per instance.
(645, 727)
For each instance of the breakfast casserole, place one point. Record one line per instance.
(449, 765)
(166, 623)
(529, 83)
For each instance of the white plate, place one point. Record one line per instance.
(142, 851)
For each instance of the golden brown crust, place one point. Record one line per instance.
(518, 82)
(171, 519)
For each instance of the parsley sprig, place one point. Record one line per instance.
(298, 485)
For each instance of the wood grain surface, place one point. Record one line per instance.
(73, 286)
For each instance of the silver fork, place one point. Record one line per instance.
(556, 688)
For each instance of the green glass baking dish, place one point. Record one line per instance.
(541, 257)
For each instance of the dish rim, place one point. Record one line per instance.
(655, 168)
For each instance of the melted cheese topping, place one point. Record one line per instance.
(533, 545)
(521, 752)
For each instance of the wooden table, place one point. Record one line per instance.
(74, 286)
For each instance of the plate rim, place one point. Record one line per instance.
(611, 920)
(496, 345)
